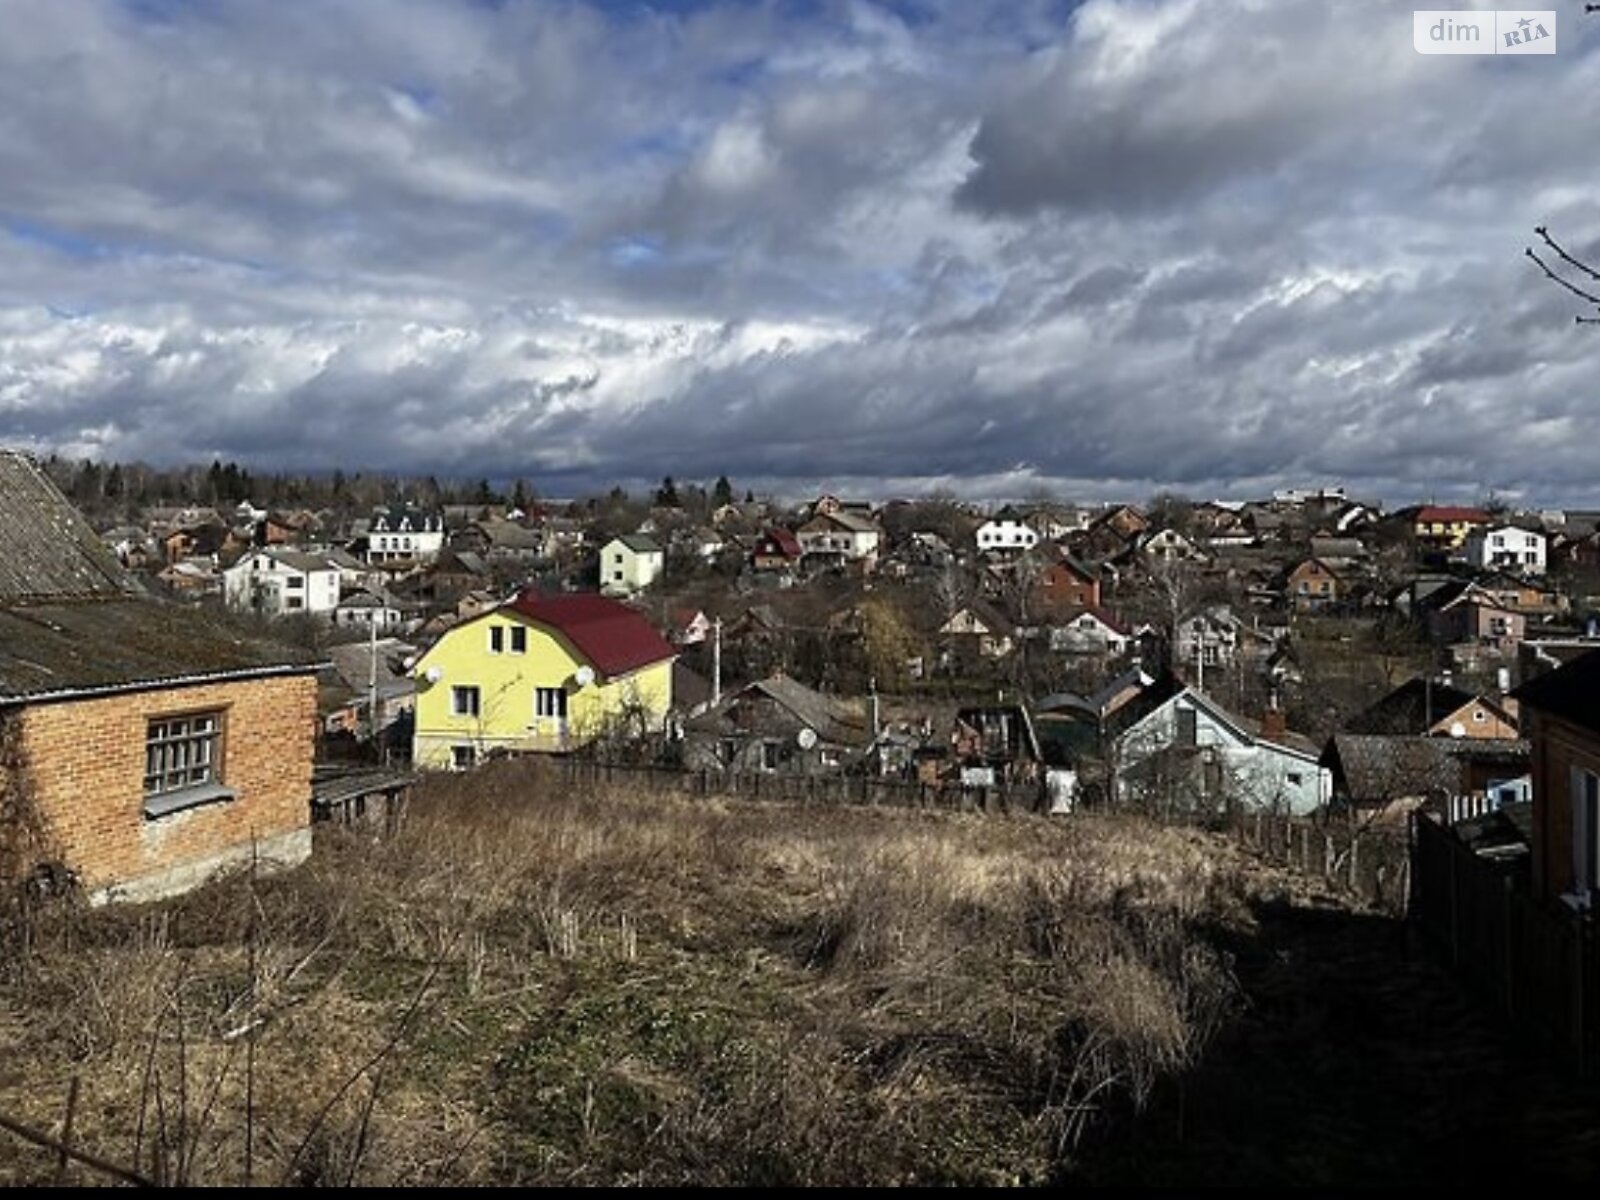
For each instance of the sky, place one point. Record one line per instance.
(1097, 249)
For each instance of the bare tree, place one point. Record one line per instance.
(1572, 265)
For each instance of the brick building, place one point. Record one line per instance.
(142, 746)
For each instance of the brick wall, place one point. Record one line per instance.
(86, 761)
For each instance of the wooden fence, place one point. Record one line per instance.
(1539, 966)
(802, 789)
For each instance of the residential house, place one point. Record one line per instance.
(630, 563)
(562, 536)
(1507, 546)
(1428, 707)
(1126, 521)
(205, 540)
(776, 550)
(1313, 586)
(1446, 527)
(1090, 630)
(1210, 638)
(978, 629)
(688, 626)
(132, 546)
(1172, 746)
(777, 725)
(1561, 715)
(840, 537)
(1008, 531)
(1065, 584)
(1476, 617)
(362, 609)
(540, 674)
(147, 747)
(404, 533)
(359, 673)
(496, 539)
(278, 583)
(1168, 545)
(191, 578)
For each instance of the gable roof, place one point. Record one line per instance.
(1406, 709)
(788, 545)
(639, 543)
(831, 720)
(1104, 616)
(47, 549)
(612, 636)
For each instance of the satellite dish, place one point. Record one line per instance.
(434, 674)
(807, 738)
(1458, 730)
(584, 676)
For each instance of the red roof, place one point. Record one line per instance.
(788, 545)
(613, 637)
(1451, 515)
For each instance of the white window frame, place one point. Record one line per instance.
(550, 703)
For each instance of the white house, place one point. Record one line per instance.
(1210, 638)
(1186, 749)
(277, 583)
(404, 533)
(1168, 545)
(1508, 546)
(1090, 631)
(630, 563)
(1005, 531)
(362, 609)
(842, 534)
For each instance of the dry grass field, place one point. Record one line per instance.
(523, 986)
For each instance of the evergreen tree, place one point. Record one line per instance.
(667, 495)
(722, 493)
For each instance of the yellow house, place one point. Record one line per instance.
(542, 674)
(1448, 526)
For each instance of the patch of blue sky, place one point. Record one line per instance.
(62, 241)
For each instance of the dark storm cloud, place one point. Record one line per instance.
(1128, 245)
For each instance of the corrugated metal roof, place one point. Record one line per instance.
(106, 645)
(47, 549)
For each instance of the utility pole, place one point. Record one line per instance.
(716, 662)
(372, 683)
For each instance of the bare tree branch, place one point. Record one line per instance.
(1544, 232)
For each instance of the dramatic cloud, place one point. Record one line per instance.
(1215, 245)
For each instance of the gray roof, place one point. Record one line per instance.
(640, 543)
(52, 651)
(47, 549)
(352, 663)
(831, 720)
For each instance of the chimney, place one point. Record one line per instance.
(1273, 722)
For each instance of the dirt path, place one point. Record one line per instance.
(1357, 1061)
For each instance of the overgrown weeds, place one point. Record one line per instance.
(526, 986)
